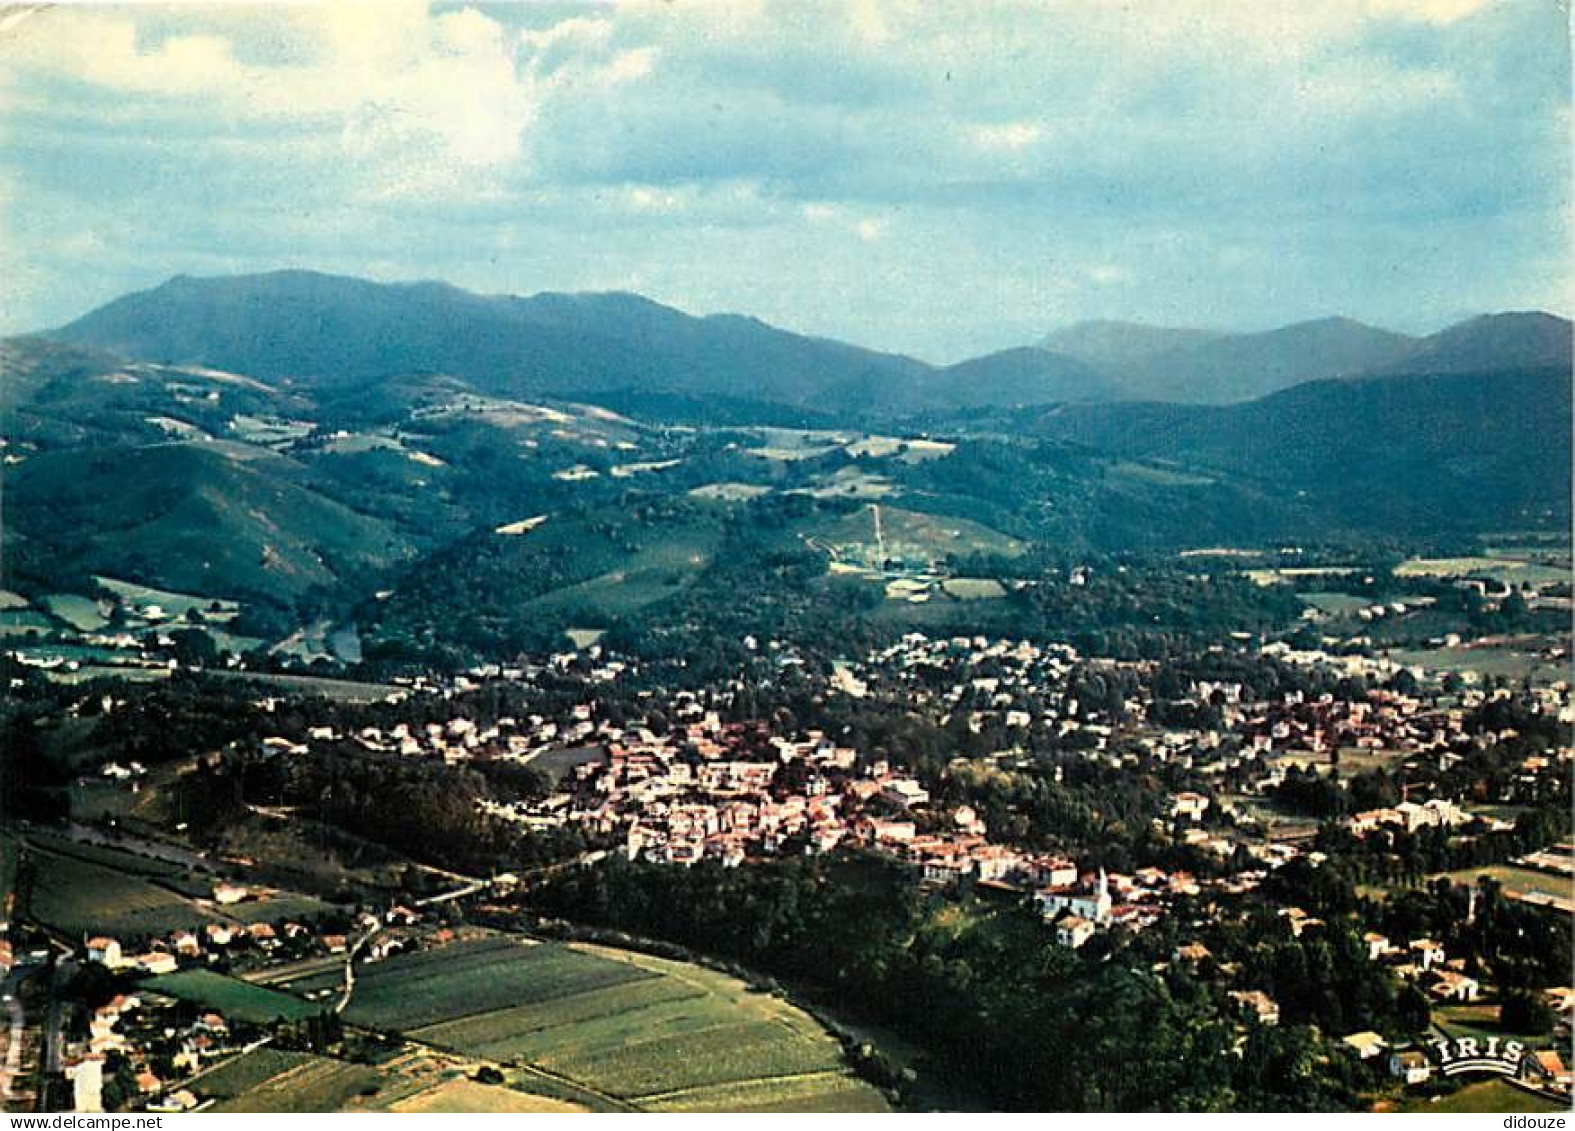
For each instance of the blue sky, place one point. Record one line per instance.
(937, 179)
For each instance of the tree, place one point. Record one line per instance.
(1525, 1012)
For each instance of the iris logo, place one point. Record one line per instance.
(1471, 1054)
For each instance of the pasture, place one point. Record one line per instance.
(174, 605)
(1334, 604)
(629, 1029)
(233, 998)
(1485, 1096)
(459, 1095)
(244, 1072)
(81, 613)
(1515, 879)
(1499, 568)
(77, 897)
(1508, 662)
(415, 1080)
(306, 1083)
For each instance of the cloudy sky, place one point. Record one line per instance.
(941, 179)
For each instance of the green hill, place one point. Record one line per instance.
(221, 520)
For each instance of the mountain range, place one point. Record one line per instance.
(300, 442)
(1151, 363)
(319, 330)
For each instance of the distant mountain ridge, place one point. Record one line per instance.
(324, 330)
(314, 330)
(309, 473)
(1183, 366)
(1114, 344)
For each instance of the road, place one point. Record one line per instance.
(469, 887)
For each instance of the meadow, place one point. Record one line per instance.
(233, 998)
(1500, 568)
(1516, 879)
(1507, 662)
(78, 897)
(306, 1083)
(1485, 1096)
(269, 1080)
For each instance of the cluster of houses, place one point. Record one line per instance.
(127, 1026)
(200, 944)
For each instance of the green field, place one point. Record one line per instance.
(907, 536)
(343, 690)
(311, 1083)
(628, 1028)
(175, 605)
(78, 897)
(1334, 604)
(278, 908)
(1516, 879)
(1486, 1096)
(429, 987)
(1477, 1019)
(20, 622)
(1499, 568)
(81, 613)
(245, 1072)
(657, 570)
(973, 588)
(274, 1080)
(235, 999)
(1485, 661)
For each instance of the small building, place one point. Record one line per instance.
(105, 951)
(179, 1100)
(1365, 1044)
(186, 944)
(1073, 930)
(904, 793)
(157, 962)
(87, 1083)
(1546, 1067)
(1257, 1005)
(1426, 953)
(226, 893)
(1448, 985)
(1410, 1066)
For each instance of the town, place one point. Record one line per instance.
(1232, 791)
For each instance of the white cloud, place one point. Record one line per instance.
(1008, 136)
(390, 75)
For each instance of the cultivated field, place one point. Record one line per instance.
(459, 1095)
(235, 999)
(306, 1083)
(629, 1029)
(245, 1072)
(414, 1080)
(78, 897)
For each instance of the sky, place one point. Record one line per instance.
(939, 179)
